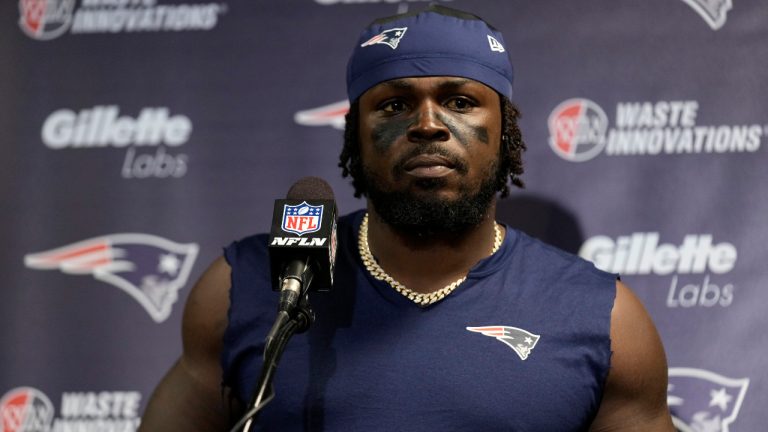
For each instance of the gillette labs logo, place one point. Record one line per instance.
(641, 254)
(105, 127)
(697, 255)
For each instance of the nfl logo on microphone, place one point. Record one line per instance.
(302, 218)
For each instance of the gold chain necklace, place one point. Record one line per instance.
(421, 299)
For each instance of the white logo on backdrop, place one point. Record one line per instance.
(643, 254)
(48, 19)
(326, 115)
(27, 409)
(714, 12)
(703, 401)
(578, 131)
(45, 19)
(149, 268)
(104, 126)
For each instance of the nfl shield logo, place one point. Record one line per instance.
(302, 219)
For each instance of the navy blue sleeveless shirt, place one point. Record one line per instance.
(522, 345)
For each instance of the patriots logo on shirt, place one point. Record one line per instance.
(703, 401)
(389, 37)
(521, 341)
(149, 268)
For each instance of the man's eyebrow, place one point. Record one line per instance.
(451, 84)
(398, 83)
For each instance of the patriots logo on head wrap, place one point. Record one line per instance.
(703, 401)
(521, 341)
(389, 37)
(149, 268)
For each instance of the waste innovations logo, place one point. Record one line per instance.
(696, 264)
(149, 268)
(45, 19)
(49, 19)
(701, 400)
(578, 131)
(26, 409)
(145, 137)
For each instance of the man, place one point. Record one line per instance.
(440, 318)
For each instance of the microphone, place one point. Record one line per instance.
(302, 250)
(302, 241)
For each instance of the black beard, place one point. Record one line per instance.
(423, 214)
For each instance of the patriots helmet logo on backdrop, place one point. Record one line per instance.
(326, 115)
(703, 401)
(714, 12)
(149, 268)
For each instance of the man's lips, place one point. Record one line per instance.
(428, 165)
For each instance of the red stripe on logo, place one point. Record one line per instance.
(77, 252)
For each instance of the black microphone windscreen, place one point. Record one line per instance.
(310, 188)
(304, 228)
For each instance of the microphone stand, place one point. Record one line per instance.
(286, 325)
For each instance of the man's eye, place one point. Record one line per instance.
(460, 104)
(393, 106)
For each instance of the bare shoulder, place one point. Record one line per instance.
(205, 315)
(636, 389)
(190, 396)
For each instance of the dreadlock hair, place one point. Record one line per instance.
(510, 154)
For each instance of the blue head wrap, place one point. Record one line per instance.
(438, 41)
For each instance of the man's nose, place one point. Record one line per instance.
(428, 126)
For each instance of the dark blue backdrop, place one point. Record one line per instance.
(139, 137)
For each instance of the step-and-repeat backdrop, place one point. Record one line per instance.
(139, 137)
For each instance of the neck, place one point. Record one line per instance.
(426, 262)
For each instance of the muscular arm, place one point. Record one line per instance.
(635, 397)
(189, 398)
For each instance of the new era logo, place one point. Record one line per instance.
(495, 44)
